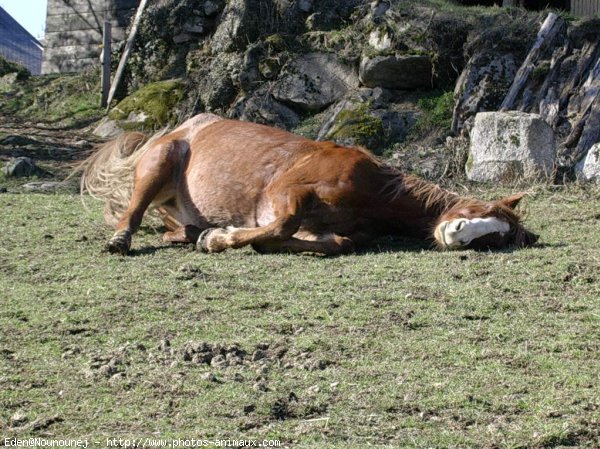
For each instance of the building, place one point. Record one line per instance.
(585, 8)
(581, 8)
(18, 45)
(73, 39)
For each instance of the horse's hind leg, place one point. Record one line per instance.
(154, 175)
(287, 207)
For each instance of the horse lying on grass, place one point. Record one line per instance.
(223, 184)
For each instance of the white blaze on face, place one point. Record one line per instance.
(461, 231)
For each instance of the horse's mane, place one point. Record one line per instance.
(434, 198)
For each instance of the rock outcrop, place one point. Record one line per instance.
(345, 71)
(559, 79)
(493, 58)
(367, 119)
(22, 167)
(314, 81)
(397, 72)
(589, 168)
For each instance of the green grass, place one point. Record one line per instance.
(67, 100)
(399, 346)
(436, 112)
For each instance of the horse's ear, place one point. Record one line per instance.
(513, 200)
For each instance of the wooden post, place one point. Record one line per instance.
(547, 32)
(106, 61)
(126, 52)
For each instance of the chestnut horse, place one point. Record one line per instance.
(225, 184)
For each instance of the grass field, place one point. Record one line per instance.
(399, 346)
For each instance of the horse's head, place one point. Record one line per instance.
(481, 225)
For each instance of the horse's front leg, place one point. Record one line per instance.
(154, 175)
(328, 245)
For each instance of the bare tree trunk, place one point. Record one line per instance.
(126, 52)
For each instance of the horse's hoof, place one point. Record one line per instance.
(201, 244)
(119, 243)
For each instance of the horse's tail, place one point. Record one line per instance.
(108, 173)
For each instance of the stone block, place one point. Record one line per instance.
(510, 146)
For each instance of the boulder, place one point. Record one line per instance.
(396, 72)
(261, 107)
(493, 56)
(217, 81)
(211, 8)
(107, 129)
(589, 168)
(368, 119)
(239, 25)
(314, 81)
(481, 86)
(510, 146)
(22, 167)
(352, 123)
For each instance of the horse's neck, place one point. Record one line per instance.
(431, 198)
(417, 204)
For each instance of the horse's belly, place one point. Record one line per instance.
(221, 203)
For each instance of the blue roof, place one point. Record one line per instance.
(18, 45)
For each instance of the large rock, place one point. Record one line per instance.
(314, 81)
(260, 107)
(481, 86)
(589, 168)
(107, 129)
(22, 167)
(238, 26)
(368, 119)
(493, 55)
(396, 72)
(353, 123)
(510, 146)
(217, 81)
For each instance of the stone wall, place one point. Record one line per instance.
(74, 31)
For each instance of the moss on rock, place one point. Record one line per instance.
(7, 67)
(155, 102)
(356, 126)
